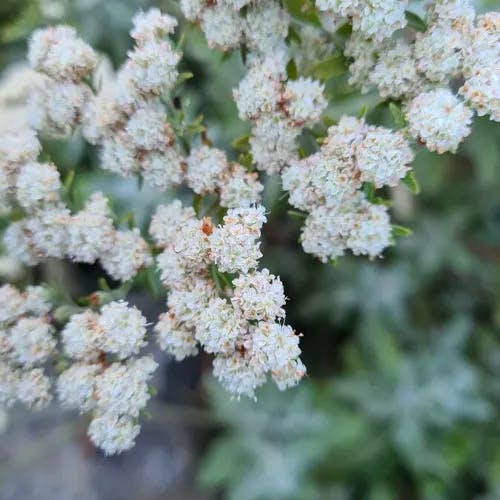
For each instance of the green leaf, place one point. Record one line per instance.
(411, 182)
(242, 143)
(186, 75)
(293, 35)
(246, 160)
(363, 111)
(415, 22)
(401, 230)
(330, 67)
(197, 203)
(303, 10)
(369, 190)
(291, 70)
(296, 214)
(397, 115)
(68, 181)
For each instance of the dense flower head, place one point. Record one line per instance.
(127, 254)
(123, 329)
(439, 119)
(259, 296)
(234, 245)
(112, 433)
(58, 52)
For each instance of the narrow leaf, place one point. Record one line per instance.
(397, 115)
(401, 230)
(411, 182)
(415, 22)
(330, 67)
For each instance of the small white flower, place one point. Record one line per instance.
(59, 53)
(82, 336)
(305, 100)
(439, 119)
(126, 255)
(219, 326)
(124, 329)
(76, 387)
(238, 374)
(259, 296)
(152, 24)
(32, 341)
(175, 337)
(90, 232)
(223, 26)
(12, 304)
(240, 188)
(33, 389)
(383, 157)
(205, 167)
(122, 389)
(167, 220)
(37, 184)
(113, 434)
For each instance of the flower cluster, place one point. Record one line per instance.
(209, 171)
(421, 70)
(261, 25)
(105, 376)
(127, 118)
(279, 111)
(327, 185)
(27, 342)
(65, 60)
(49, 229)
(219, 300)
(377, 19)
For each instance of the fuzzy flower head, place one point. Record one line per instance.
(59, 53)
(234, 246)
(127, 254)
(175, 337)
(305, 100)
(113, 434)
(152, 24)
(82, 336)
(37, 184)
(219, 327)
(259, 296)
(205, 167)
(439, 119)
(124, 329)
(383, 157)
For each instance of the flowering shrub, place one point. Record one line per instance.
(431, 75)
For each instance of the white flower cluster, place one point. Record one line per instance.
(57, 106)
(377, 19)
(105, 378)
(327, 186)
(421, 69)
(261, 24)
(208, 170)
(27, 342)
(128, 120)
(49, 229)
(218, 299)
(278, 111)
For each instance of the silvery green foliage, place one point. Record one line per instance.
(269, 447)
(417, 395)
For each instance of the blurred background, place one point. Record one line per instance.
(402, 398)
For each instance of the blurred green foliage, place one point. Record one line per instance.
(402, 398)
